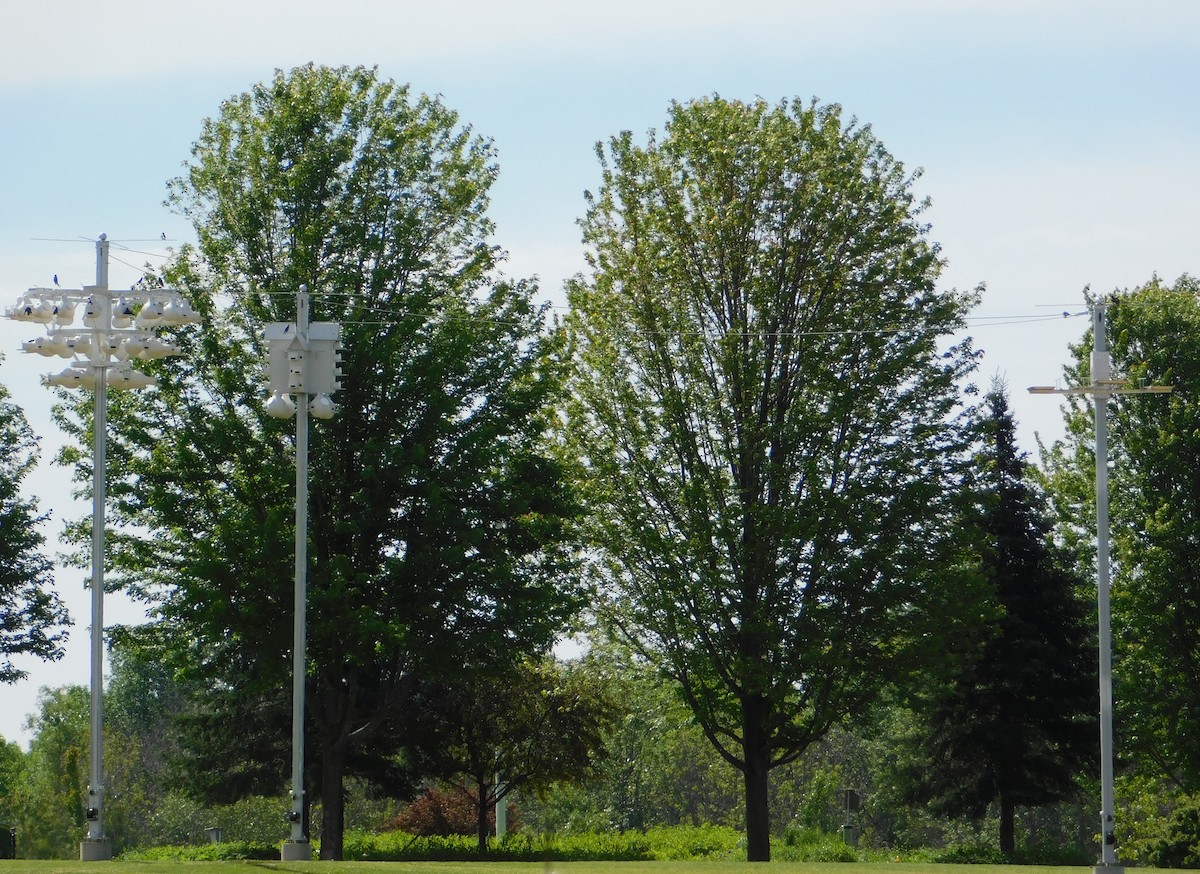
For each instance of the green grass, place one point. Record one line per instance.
(21, 866)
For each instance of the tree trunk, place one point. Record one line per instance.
(1008, 816)
(333, 800)
(757, 761)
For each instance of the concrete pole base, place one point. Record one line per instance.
(296, 851)
(95, 850)
(1115, 868)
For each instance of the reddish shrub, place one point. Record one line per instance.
(445, 810)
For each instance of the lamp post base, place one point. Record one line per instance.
(95, 850)
(1115, 868)
(296, 851)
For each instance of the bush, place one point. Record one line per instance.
(445, 811)
(680, 844)
(437, 812)
(403, 847)
(1177, 845)
(970, 854)
(1053, 854)
(802, 844)
(228, 851)
(692, 843)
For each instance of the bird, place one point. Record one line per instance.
(56, 279)
(160, 282)
(163, 235)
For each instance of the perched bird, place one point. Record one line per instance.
(160, 282)
(56, 279)
(164, 235)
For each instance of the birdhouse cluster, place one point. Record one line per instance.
(306, 363)
(117, 330)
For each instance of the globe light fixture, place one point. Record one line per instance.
(303, 371)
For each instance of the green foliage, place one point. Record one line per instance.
(806, 844)
(439, 526)
(658, 769)
(683, 843)
(54, 783)
(675, 844)
(32, 618)
(230, 851)
(1154, 446)
(534, 723)
(1016, 722)
(1177, 844)
(12, 771)
(971, 854)
(763, 411)
(695, 843)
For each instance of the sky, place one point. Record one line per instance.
(1058, 141)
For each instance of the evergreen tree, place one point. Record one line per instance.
(1016, 723)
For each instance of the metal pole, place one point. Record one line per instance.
(96, 847)
(501, 809)
(1101, 378)
(298, 848)
(1101, 388)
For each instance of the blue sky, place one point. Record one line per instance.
(1059, 142)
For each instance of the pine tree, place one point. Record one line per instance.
(1016, 722)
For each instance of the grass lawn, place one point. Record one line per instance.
(20, 866)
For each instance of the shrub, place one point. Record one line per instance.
(436, 812)
(970, 854)
(803, 844)
(679, 843)
(228, 851)
(444, 811)
(693, 843)
(1177, 845)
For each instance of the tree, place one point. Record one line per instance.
(31, 614)
(532, 725)
(1155, 520)
(763, 404)
(12, 767)
(54, 782)
(438, 523)
(1017, 724)
(658, 769)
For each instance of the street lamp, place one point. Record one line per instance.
(302, 362)
(1101, 388)
(118, 329)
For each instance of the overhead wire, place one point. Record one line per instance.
(387, 312)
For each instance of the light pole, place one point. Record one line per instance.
(303, 362)
(1101, 388)
(117, 330)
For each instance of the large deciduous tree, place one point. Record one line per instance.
(1154, 444)
(764, 404)
(437, 523)
(1016, 724)
(32, 617)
